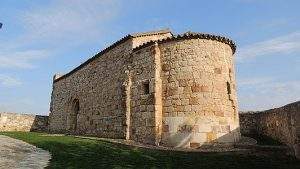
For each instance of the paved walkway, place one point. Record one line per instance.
(16, 154)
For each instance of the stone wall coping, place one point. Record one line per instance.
(191, 35)
(294, 104)
(22, 114)
(117, 43)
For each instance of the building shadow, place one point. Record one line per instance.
(40, 124)
(192, 135)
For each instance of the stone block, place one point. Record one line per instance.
(225, 129)
(187, 90)
(205, 88)
(216, 129)
(185, 102)
(179, 108)
(208, 113)
(183, 82)
(194, 145)
(219, 113)
(199, 137)
(165, 128)
(166, 67)
(194, 101)
(223, 120)
(188, 108)
(218, 71)
(211, 137)
(196, 108)
(185, 128)
(172, 91)
(196, 88)
(143, 108)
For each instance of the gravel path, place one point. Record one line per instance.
(16, 154)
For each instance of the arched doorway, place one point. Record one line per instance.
(73, 116)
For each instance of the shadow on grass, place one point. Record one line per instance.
(264, 140)
(70, 152)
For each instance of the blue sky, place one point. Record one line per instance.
(40, 38)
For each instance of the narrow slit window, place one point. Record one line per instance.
(146, 87)
(228, 88)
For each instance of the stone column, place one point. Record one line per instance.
(157, 94)
(127, 85)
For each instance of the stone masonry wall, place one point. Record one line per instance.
(282, 124)
(101, 90)
(153, 88)
(98, 87)
(23, 122)
(142, 96)
(248, 123)
(199, 93)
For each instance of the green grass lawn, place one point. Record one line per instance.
(70, 152)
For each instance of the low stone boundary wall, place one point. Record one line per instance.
(282, 124)
(23, 122)
(248, 123)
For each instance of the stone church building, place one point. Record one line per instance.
(154, 88)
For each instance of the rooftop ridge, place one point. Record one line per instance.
(191, 35)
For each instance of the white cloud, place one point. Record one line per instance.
(255, 1)
(281, 45)
(49, 29)
(8, 81)
(23, 104)
(20, 59)
(254, 81)
(56, 26)
(266, 93)
(69, 20)
(274, 23)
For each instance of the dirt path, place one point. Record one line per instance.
(16, 154)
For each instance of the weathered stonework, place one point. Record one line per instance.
(282, 124)
(154, 88)
(23, 122)
(197, 106)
